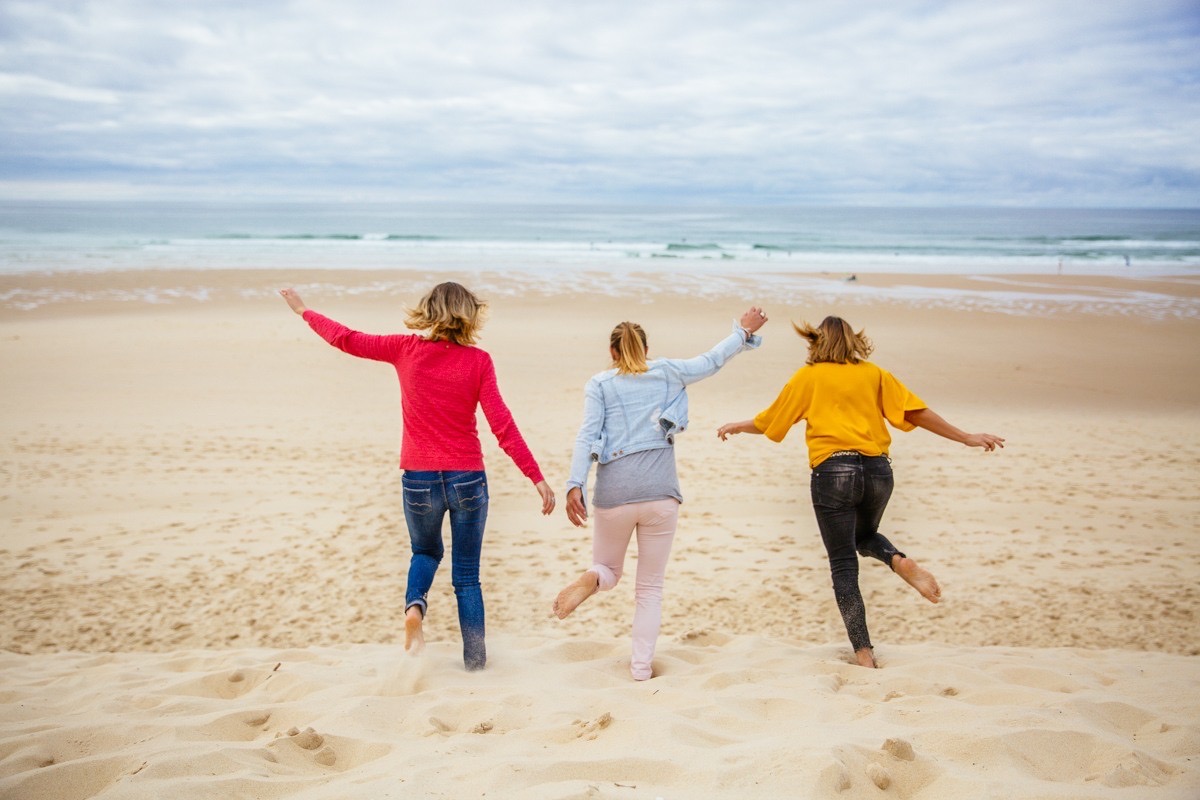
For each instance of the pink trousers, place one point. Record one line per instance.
(655, 522)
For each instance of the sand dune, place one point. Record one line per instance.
(728, 716)
(203, 560)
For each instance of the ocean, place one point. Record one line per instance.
(97, 236)
(794, 250)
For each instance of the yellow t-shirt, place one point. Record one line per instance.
(845, 406)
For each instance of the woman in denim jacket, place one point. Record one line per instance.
(845, 401)
(631, 414)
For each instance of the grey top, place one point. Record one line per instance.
(636, 478)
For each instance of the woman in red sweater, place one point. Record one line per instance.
(443, 378)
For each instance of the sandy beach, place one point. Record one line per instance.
(204, 553)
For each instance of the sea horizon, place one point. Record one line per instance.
(99, 235)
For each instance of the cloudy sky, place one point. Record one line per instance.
(1015, 102)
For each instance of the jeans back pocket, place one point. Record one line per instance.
(836, 488)
(470, 495)
(418, 499)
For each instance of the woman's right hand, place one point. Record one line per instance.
(576, 510)
(753, 319)
(730, 428)
(988, 441)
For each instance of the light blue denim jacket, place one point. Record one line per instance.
(625, 414)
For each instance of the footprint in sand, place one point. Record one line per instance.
(899, 748)
(258, 720)
(590, 730)
(309, 739)
(831, 683)
(836, 777)
(703, 636)
(1138, 769)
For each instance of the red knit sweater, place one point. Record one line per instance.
(440, 386)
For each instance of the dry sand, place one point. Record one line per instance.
(203, 555)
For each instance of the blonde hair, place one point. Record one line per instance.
(450, 312)
(834, 341)
(628, 342)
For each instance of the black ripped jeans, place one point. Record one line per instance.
(849, 494)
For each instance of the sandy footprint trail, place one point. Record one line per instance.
(741, 716)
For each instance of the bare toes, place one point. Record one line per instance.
(574, 594)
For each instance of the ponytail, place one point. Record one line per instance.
(628, 342)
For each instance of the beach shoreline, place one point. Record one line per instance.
(1023, 294)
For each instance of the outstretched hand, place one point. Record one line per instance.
(547, 496)
(988, 441)
(293, 300)
(753, 319)
(931, 421)
(730, 428)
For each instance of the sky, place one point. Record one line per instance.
(1016, 103)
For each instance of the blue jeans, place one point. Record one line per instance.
(427, 498)
(849, 494)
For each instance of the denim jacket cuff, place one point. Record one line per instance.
(752, 340)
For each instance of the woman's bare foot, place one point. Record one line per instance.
(865, 658)
(917, 577)
(581, 589)
(414, 638)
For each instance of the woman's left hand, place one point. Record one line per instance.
(988, 441)
(753, 319)
(547, 496)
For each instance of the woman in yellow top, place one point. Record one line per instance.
(846, 400)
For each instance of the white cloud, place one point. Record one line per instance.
(969, 102)
(19, 86)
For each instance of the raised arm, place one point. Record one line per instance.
(928, 419)
(293, 300)
(742, 338)
(364, 345)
